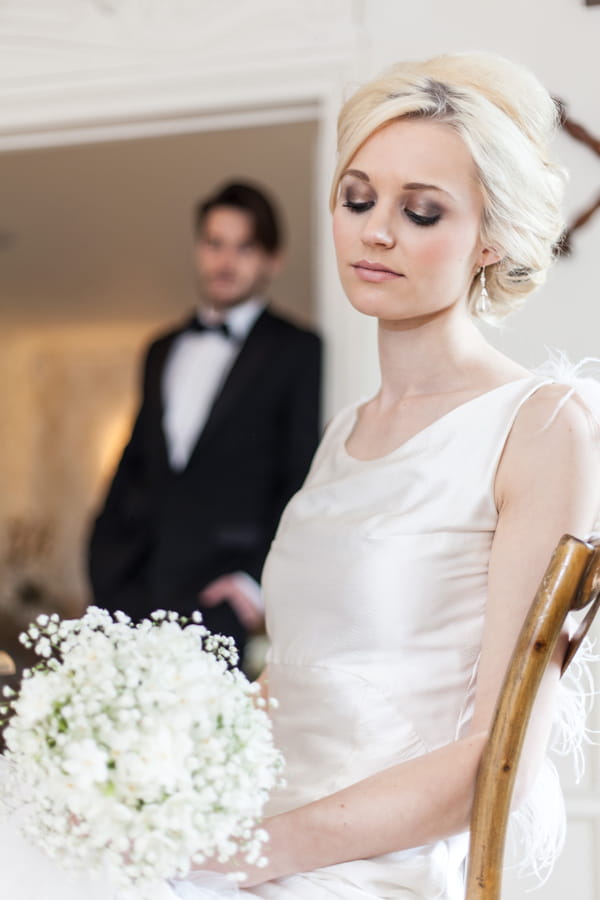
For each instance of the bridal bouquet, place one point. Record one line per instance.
(134, 750)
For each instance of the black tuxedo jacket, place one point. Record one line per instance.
(163, 535)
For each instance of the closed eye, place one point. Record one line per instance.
(422, 220)
(358, 206)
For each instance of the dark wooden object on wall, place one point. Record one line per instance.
(592, 2)
(580, 133)
(571, 582)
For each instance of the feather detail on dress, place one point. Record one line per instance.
(583, 379)
(538, 827)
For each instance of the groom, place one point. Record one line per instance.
(226, 431)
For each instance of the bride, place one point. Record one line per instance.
(402, 571)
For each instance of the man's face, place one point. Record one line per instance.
(230, 265)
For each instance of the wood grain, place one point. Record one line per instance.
(571, 581)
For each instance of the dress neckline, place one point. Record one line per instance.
(425, 430)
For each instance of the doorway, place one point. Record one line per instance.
(95, 253)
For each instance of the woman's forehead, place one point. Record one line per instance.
(422, 152)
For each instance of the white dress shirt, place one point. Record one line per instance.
(195, 372)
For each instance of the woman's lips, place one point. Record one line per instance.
(374, 271)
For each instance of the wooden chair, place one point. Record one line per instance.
(571, 582)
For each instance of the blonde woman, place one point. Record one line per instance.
(402, 571)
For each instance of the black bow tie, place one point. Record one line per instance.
(219, 327)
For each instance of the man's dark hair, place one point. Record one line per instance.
(251, 200)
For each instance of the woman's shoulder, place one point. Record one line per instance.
(556, 408)
(566, 401)
(547, 476)
(555, 436)
(341, 418)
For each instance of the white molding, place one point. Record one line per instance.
(69, 69)
(155, 127)
(88, 32)
(88, 106)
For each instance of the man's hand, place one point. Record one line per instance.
(235, 589)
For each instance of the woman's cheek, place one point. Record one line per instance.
(441, 250)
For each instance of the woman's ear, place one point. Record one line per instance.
(488, 257)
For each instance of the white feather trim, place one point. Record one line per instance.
(583, 379)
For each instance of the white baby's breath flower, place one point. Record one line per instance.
(85, 762)
(139, 741)
(44, 647)
(122, 617)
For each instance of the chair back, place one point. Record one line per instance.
(571, 582)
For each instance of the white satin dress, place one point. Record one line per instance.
(375, 591)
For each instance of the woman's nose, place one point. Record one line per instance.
(378, 232)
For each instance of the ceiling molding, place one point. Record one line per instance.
(72, 68)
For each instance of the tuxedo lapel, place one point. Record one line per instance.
(252, 357)
(154, 393)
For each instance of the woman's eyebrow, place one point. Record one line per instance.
(357, 174)
(419, 186)
(411, 186)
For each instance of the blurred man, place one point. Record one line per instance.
(227, 428)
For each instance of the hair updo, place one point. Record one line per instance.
(506, 118)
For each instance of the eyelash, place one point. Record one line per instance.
(422, 221)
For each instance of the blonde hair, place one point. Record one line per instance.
(506, 119)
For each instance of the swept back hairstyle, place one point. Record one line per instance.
(248, 199)
(507, 119)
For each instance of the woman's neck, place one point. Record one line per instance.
(442, 354)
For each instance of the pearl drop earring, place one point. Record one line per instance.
(483, 302)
